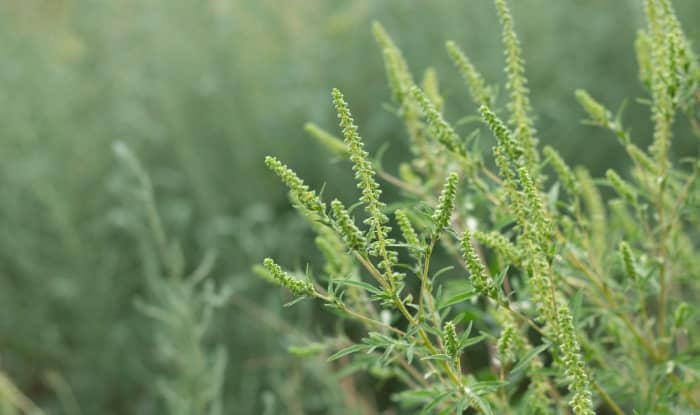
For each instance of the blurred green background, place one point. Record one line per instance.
(201, 91)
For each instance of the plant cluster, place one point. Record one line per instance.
(512, 282)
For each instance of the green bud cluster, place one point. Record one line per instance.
(596, 210)
(641, 158)
(450, 340)
(598, 113)
(566, 175)
(628, 261)
(671, 65)
(370, 191)
(333, 250)
(506, 343)
(477, 272)
(581, 402)
(396, 77)
(400, 82)
(364, 173)
(440, 128)
(431, 87)
(519, 103)
(296, 287)
(398, 74)
(500, 243)
(642, 46)
(541, 286)
(306, 198)
(333, 143)
(446, 204)
(481, 94)
(346, 227)
(505, 138)
(622, 188)
(539, 222)
(409, 234)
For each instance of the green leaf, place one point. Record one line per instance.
(471, 341)
(435, 402)
(359, 284)
(482, 388)
(294, 301)
(415, 396)
(522, 364)
(458, 298)
(409, 354)
(440, 356)
(346, 351)
(311, 349)
(352, 368)
(484, 406)
(498, 281)
(466, 332)
(442, 271)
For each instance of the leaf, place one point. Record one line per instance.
(379, 154)
(294, 301)
(311, 349)
(350, 369)
(553, 196)
(435, 402)
(359, 284)
(442, 271)
(482, 388)
(483, 406)
(466, 332)
(522, 364)
(577, 305)
(346, 351)
(412, 397)
(458, 298)
(498, 281)
(439, 356)
(472, 341)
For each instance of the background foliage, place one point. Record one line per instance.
(200, 91)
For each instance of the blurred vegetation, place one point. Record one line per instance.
(200, 91)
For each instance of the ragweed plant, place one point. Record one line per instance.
(550, 296)
(181, 308)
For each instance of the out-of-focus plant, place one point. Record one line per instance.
(181, 308)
